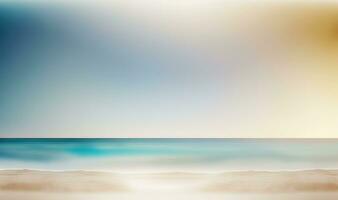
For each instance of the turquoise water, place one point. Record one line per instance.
(220, 154)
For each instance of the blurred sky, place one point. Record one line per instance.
(164, 155)
(168, 69)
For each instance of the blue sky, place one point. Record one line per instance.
(61, 74)
(168, 154)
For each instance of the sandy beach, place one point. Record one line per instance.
(250, 185)
(166, 196)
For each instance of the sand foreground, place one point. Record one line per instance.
(246, 185)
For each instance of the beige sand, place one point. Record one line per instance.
(78, 185)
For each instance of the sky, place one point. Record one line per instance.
(168, 155)
(168, 69)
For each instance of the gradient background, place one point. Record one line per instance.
(188, 68)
